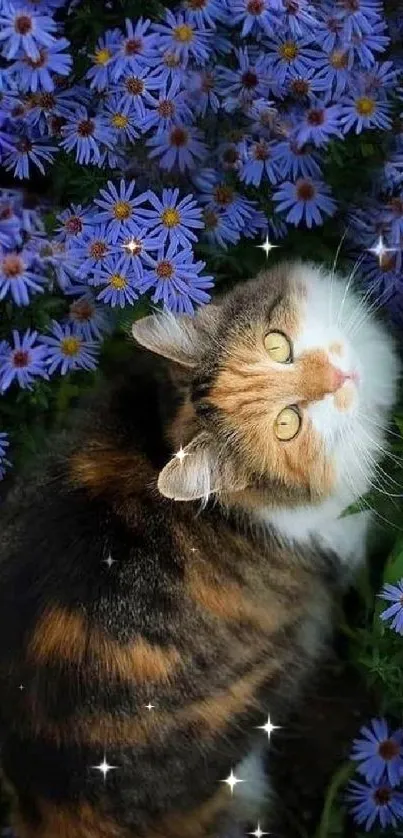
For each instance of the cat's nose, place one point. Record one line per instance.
(338, 378)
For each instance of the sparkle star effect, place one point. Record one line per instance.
(149, 706)
(109, 561)
(258, 832)
(268, 727)
(21, 687)
(133, 247)
(181, 454)
(104, 767)
(232, 781)
(267, 246)
(379, 250)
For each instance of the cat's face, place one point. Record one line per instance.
(290, 380)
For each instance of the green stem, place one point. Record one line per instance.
(345, 772)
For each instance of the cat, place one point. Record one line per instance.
(167, 580)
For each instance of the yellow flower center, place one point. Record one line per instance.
(338, 60)
(289, 50)
(120, 120)
(365, 106)
(170, 217)
(122, 210)
(70, 346)
(184, 33)
(118, 281)
(102, 56)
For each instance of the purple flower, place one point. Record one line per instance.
(26, 151)
(89, 320)
(393, 594)
(22, 362)
(359, 17)
(17, 279)
(221, 197)
(135, 89)
(100, 74)
(180, 145)
(175, 277)
(329, 28)
(285, 54)
(361, 48)
(264, 115)
(170, 107)
(136, 49)
(180, 36)
(299, 19)
(122, 118)
(83, 134)
(378, 80)
(134, 249)
(23, 29)
(379, 753)
(255, 15)
(259, 159)
(296, 161)
(249, 81)
(35, 73)
(375, 802)
(305, 83)
(205, 13)
(306, 200)
(219, 229)
(119, 210)
(121, 280)
(320, 122)
(88, 252)
(202, 91)
(361, 112)
(4, 463)
(74, 221)
(383, 278)
(171, 219)
(53, 255)
(68, 350)
(334, 71)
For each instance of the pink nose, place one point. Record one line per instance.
(340, 378)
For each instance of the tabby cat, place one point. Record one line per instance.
(167, 580)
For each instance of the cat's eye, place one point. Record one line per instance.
(278, 347)
(287, 424)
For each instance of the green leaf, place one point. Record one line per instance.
(338, 782)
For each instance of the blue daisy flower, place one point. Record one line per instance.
(205, 13)
(378, 81)
(219, 229)
(358, 18)
(259, 159)
(393, 594)
(89, 320)
(363, 112)
(334, 74)
(74, 222)
(319, 124)
(22, 29)
(251, 80)
(35, 74)
(101, 72)
(298, 18)
(392, 171)
(135, 89)
(306, 201)
(53, 255)
(379, 753)
(263, 115)
(134, 249)
(181, 146)
(66, 349)
(119, 209)
(17, 279)
(89, 251)
(203, 91)
(256, 224)
(180, 36)
(170, 107)
(121, 280)
(383, 278)
(169, 67)
(122, 118)
(83, 134)
(304, 84)
(362, 49)
(286, 54)
(137, 47)
(173, 219)
(221, 197)
(256, 16)
(296, 161)
(175, 276)
(4, 445)
(329, 33)
(374, 803)
(22, 362)
(26, 151)
(10, 221)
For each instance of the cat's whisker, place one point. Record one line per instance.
(332, 276)
(348, 285)
(384, 428)
(359, 310)
(376, 469)
(362, 499)
(377, 444)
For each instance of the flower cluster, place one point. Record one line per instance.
(380, 760)
(394, 595)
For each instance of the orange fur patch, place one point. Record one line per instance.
(344, 397)
(102, 468)
(82, 821)
(194, 824)
(63, 637)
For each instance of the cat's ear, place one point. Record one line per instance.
(197, 472)
(176, 337)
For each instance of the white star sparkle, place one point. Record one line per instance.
(181, 454)
(21, 687)
(267, 246)
(258, 832)
(268, 727)
(104, 767)
(232, 781)
(379, 250)
(149, 706)
(132, 246)
(109, 561)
